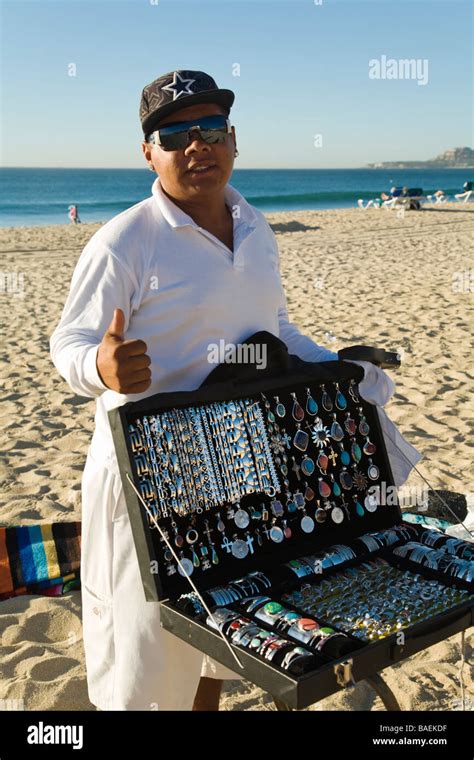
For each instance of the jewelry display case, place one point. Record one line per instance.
(266, 524)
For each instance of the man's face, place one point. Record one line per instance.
(173, 166)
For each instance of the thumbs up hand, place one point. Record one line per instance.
(123, 365)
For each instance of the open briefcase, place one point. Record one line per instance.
(266, 523)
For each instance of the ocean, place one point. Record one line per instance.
(41, 196)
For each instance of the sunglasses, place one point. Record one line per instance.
(177, 136)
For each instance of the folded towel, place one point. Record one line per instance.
(40, 559)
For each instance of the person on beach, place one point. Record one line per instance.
(74, 215)
(192, 264)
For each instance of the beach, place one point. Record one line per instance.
(402, 282)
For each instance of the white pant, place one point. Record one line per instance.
(132, 663)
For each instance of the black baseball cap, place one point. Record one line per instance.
(176, 90)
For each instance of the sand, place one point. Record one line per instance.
(351, 276)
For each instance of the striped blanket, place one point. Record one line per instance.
(40, 559)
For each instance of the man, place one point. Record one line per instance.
(191, 265)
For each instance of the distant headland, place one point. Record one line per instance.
(456, 158)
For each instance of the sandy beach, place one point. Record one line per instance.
(403, 283)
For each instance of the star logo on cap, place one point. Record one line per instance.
(179, 86)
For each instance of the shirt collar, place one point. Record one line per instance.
(176, 217)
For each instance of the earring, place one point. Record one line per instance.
(151, 167)
(236, 152)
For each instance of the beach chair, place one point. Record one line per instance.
(438, 198)
(468, 189)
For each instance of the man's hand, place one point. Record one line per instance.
(123, 365)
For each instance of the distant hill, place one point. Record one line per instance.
(456, 158)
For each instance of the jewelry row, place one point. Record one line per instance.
(192, 459)
(437, 559)
(374, 599)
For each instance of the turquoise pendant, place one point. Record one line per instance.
(337, 432)
(341, 402)
(345, 458)
(307, 465)
(280, 408)
(214, 557)
(359, 509)
(356, 452)
(335, 487)
(311, 404)
(291, 506)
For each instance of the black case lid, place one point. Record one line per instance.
(283, 373)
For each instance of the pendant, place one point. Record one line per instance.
(337, 432)
(301, 440)
(353, 391)
(311, 403)
(350, 424)
(326, 400)
(337, 515)
(309, 493)
(345, 479)
(240, 548)
(359, 508)
(192, 536)
(286, 530)
(220, 524)
(322, 462)
(373, 471)
(277, 508)
(307, 465)
(241, 518)
(297, 411)
(320, 434)
(355, 451)
(369, 448)
(307, 524)
(335, 487)
(323, 488)
(259, 537)
(360, 481)
(341, 401)
(320, 515)
(299, 499)
(291, 505)
(178, 540)
(214, 556)
(185, 567)
(195, 557)
(371, 502)
(345, 458)
(276, 534)
(364, 428)
(280, 408)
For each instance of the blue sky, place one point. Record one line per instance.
(303, 72)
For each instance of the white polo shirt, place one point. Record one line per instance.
(181, 289)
